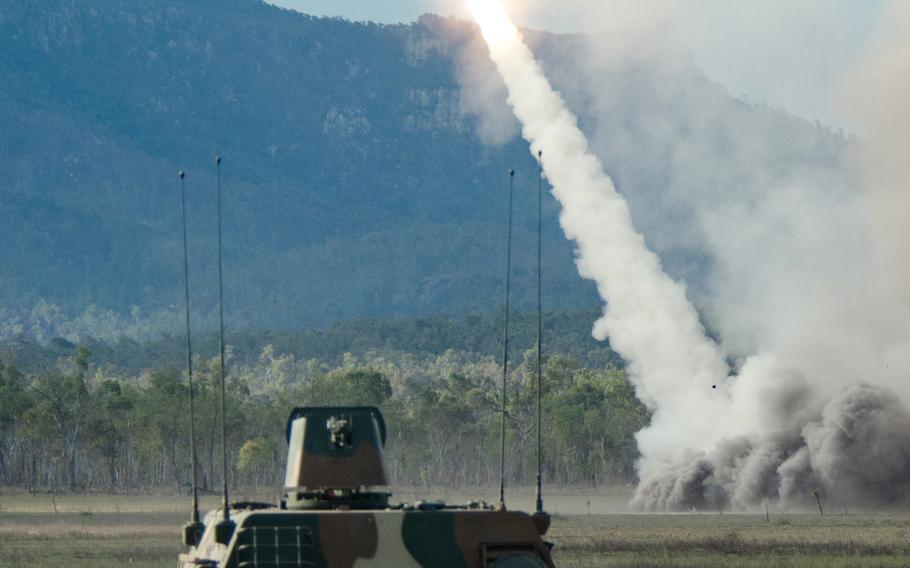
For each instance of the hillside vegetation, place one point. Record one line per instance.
(361, 179)
(117, 419)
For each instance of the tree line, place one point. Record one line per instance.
(76, 425)
(124, 352)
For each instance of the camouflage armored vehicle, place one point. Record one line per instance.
(336, 513)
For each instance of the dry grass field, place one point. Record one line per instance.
(103, 531)
(732, 541)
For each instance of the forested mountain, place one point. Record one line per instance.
(365, 180)
(357, 183)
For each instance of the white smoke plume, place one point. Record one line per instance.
(648, 318)
(876, 96)
(811, 266)
(800, 276)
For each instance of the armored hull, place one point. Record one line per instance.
(441, 538)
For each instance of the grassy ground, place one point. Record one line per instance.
(98, 531)
(735, 541)
(107, 531)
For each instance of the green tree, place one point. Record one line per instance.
(108, 426)
(14, 401)
(62, 396)
(254, 458)
(162, 412)
(359, 386)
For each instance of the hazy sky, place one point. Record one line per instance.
(787, 53)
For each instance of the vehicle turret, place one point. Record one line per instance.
(335, 459)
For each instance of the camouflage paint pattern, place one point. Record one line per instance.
(316, 461)
(375, 539)
(332, 519)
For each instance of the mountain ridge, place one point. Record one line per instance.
(356, 183)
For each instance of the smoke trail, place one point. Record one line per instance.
(648, 318)
(771, 433)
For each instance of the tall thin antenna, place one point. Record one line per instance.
(539, 500)
(194, 530)
(505, 352)
(226, 525)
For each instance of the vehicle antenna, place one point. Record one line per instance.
(505, 352)
(192, 531)
(225, 528)
(539, 507)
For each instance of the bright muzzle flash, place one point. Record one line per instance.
(494, 23)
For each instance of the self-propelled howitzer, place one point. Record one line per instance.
(336, 512)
